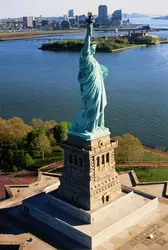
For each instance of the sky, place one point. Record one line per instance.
(18, 8)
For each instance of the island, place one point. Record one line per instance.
(161, 18)
(106, 44)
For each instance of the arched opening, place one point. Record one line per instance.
(107, 157)
(107, 198)
(103, 159)
(98, 161)
(103, 199)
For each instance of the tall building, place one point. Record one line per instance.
(27, 21)
(71, 13)
(103, 15)
(117, 18)
(82, 19)
(77, 19)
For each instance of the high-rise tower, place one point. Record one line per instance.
(103, 15)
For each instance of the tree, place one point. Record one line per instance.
(33, 135)
(40, 124)
(143, 40)
(42, 144)
(49, 124)
(10, 156)
(19, 158)
(65, 25)
(28, 160)
(52, 140)
(13, 131)
(37, 123)
(61, 131)
(129, 148)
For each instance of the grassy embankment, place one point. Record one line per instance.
(147, 174)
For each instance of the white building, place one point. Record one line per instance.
(27, 21)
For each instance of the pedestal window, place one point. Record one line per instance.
(70, 159)
(98, 161)
(103, 160)
(107, 158)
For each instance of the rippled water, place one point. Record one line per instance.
(43, 84)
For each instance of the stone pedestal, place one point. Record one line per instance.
(89, 180)
(89, 206)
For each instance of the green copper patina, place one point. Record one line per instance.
(89, 120)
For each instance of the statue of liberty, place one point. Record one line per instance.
(90, 118)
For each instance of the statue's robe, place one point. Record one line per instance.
(90, 117)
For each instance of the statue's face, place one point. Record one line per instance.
(93, 49)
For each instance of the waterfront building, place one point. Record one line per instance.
(117, 18)
(27, 21)
(137, 33)
(134, 34)
(71, 13)
(103, 15)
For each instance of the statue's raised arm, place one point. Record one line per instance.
(87, 42)
(90, 118)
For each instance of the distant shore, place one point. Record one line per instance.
(7, 36)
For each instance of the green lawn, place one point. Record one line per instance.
(147, 174)
(149, 156)
(159, 174)
(56, 155)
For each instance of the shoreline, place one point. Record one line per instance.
(100, 51)
(130, 47)
(29, 35)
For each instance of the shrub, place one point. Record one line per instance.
(28, 161)
(14, 168)
(143, 40)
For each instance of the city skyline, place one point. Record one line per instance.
(19, 8)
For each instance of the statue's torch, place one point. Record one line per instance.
(90, 18)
